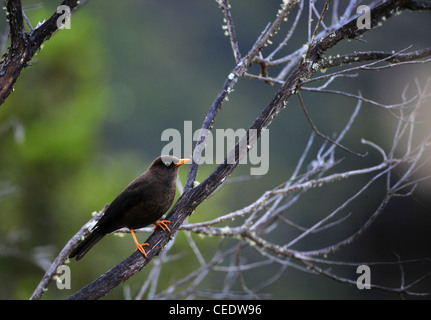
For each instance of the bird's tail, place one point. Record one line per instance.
(86, 245)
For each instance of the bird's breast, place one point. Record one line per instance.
(155, 201)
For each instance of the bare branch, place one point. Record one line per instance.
(24, 45)
(63, 255)
(230, 29)
(231, 80)
(375, 55)
(322, 135)
(16, 24)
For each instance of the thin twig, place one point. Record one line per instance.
(322, 135)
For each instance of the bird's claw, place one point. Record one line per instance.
(140, 248)
(162, 225)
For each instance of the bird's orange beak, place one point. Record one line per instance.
(182, 161)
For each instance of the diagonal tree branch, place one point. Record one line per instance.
(16, 23)
(374, 55)
(230, 82)
(24, 45)
(63, 255)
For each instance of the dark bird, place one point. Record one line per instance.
(141, 203)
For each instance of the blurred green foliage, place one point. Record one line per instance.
(60, 106)
(58, 170)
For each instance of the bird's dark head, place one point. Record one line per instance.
(167, 162)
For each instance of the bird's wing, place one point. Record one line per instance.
(125, 201)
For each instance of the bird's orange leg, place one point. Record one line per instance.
(138, 245)
(162, 224)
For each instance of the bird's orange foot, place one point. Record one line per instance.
(138, 245)
(140, 248)
(162, 224)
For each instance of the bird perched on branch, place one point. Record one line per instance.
(140, 204)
